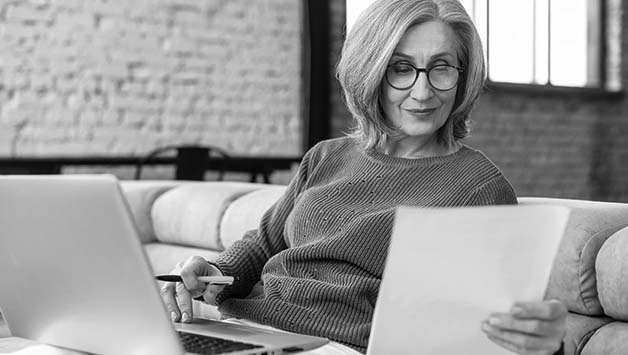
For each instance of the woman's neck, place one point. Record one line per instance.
(410, 148)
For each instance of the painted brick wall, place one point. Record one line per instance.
(122, 77)
(558, 145)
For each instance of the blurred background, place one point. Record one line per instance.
(97, 85)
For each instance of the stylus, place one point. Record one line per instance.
(214, 280)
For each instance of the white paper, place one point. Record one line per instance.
(449, 268)
(20, 346)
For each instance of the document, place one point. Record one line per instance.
(19, 346)
(449, 268)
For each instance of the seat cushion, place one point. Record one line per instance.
(164, 257)
(580, 329)
(611, 339)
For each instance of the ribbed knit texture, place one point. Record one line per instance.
(320, 249)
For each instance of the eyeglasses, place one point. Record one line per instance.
(442, 77)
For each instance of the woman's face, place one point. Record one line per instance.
(419, 111)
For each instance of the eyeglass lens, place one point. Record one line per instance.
(402, 76)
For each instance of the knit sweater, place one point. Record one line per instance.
(319, 251)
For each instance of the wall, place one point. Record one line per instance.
(123, 77)
(569, 145)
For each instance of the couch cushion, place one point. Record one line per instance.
(610, 339)
(140, 196)
(246, 212)
(573, 276)
(164, 257)
(580, 329)
(612, 275)
(190, 214)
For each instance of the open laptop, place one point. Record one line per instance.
(448, 268)
(74, 274)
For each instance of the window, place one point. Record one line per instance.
(537, 42)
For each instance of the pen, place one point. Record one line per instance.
(214, 280)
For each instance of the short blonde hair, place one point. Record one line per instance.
(369, 47)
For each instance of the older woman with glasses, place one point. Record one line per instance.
(411, 71)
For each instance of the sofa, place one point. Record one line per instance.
(177, 219)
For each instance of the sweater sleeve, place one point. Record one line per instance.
(496, 191)
(245, 259)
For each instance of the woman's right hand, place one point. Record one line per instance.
(178, 295)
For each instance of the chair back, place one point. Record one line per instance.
(191, 161)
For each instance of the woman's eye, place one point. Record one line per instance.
(402, 69)
(440, 69)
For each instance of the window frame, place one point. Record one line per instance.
(600, 90)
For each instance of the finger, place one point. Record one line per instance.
(185, 302)
(524, 342)
(516, 349)
(211, 292)
(504, 344)
(536, 327)
(194, 267)
(168, 297)
(549, 310)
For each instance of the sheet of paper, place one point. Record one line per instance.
(448, 269)
(20, 346)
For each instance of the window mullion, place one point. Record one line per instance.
(534, 43)
(549, 42)
(595, 43)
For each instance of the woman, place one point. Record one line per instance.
(411, 71)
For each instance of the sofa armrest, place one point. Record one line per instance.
(573, 276)
(612, 275)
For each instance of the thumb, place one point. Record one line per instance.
(548, 310)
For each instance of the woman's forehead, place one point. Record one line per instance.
(428, 40)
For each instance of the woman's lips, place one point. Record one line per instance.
(420, 111)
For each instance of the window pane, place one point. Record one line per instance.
(568, 42)
(541, 39)
(354, 9)
(468, 5)
(480, 18)
(511, 41)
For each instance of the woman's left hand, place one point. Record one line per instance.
(529, 328)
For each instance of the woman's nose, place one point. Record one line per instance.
(422, 90)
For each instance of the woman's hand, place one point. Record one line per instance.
(178, 295)
(529, 328)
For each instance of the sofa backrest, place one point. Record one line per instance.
(141, 196)
(209, 215)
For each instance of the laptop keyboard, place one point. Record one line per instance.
(202, 344)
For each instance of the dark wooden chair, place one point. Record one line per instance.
(191, 161)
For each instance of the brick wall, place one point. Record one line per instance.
(122, 77)
(559, 145)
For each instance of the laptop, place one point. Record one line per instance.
(74, 275)
(465, 264)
